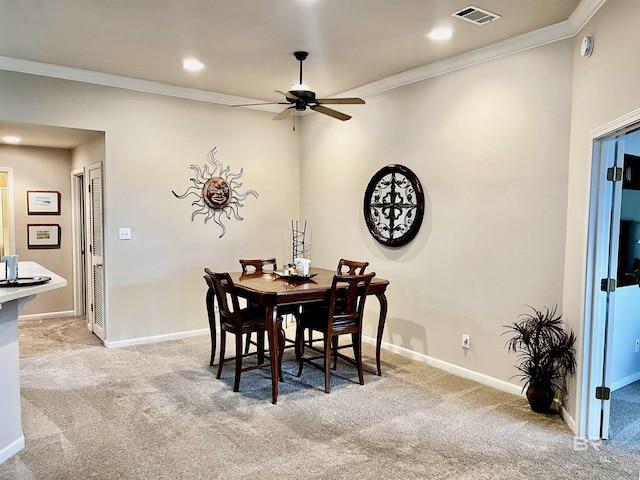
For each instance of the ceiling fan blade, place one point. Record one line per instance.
(330, 112)
(290, 96)
(284, 114)
(261, 103)
(351, 101)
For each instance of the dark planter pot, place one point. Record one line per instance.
(540, 397)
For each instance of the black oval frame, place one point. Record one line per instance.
(417, 187)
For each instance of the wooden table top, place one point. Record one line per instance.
(270, 289)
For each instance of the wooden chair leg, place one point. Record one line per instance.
(260, 342)
(223, 342)
(236, 381)
(281, 341)
(248, 344)
(357, 351)
(327, 363)
(334, 344)
(213, 345)
(299, 348)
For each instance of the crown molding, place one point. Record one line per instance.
(553, 33)
(537, 38)
(128, 83)
(583, 13)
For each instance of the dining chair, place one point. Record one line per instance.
(258, 266)
(341, 316)
(351, 267)
(345, 267)
(238, 321)
(261, 267)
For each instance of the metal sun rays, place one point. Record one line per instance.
(217, 192)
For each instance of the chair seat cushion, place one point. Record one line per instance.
(253, 316)
(317, 320)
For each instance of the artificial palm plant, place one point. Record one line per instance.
(545, 353)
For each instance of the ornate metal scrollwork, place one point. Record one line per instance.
(394, 205)
(217, 192)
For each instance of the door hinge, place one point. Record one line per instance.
(603, 393)
(608, 284)
(614, 174)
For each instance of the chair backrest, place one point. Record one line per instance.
(258, 265)
(224, 289)
(348, 295)
(351, 267)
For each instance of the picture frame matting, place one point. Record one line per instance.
(43, 202)
(43, 235)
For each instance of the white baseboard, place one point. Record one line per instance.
(451, 368)
(156, 338)
(569, 420)
(36, 316)
(623, 382)
(11, 449)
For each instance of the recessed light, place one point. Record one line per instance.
(192, 64)
(440, 34)
(11, 139)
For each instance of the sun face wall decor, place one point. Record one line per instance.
(217, 192)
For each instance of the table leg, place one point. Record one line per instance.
(272, 325)
(381, 320)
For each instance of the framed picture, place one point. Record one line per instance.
(43, 202)
(43, 236)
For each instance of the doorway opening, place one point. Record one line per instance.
(88, 285)
(7, 222)
(612, 300)
(79, 153)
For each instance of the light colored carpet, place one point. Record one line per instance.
(624, 418)
(157, 412)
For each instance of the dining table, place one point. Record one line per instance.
(275, 290)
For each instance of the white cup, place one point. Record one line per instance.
(302, 265)
(11, 267)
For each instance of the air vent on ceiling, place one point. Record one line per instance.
(475, 15)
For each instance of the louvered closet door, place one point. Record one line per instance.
(96, 283)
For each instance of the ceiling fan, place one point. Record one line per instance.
(300, 97)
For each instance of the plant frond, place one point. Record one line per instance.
(544, 349)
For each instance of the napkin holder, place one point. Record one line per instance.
(302, 265)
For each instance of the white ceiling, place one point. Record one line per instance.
(355, 47)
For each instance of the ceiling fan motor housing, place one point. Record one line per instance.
(307, 96)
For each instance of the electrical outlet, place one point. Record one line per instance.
(466, 341)
(124, 234)
(637, 345)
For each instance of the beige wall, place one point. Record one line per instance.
(502, 150)
(154, 282)
(605, 88)
(42, 169)
(88, 153)
(490, 146)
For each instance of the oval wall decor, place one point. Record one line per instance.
(394, 205)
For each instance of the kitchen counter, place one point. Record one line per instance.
(12, 301)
